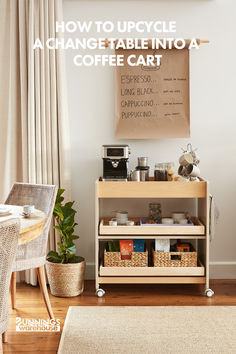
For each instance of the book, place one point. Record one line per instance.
(183, 247)
(113, 246)
(162, 245)
(126, 249)
(138, 245)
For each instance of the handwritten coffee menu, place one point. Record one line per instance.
(153, 101)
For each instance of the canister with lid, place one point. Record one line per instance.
(161, 172)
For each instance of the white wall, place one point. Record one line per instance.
(213, 125)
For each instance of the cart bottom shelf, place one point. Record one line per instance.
(153, 271)
(152, 275)
(152, 280)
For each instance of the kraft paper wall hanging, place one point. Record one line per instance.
(153, 102)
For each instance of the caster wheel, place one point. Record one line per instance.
(100, 292)
(209, 293)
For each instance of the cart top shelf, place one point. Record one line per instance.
(151, 189)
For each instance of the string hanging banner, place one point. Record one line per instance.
(152, 101)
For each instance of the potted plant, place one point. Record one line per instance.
(65, 270)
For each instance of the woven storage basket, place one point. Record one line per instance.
(113, 259)
(66, 280)
(174, 259)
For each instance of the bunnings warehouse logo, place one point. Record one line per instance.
(37, 325)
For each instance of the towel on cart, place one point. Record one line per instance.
(213, 217)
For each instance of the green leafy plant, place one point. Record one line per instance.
(65, 225)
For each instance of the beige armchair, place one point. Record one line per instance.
(33, 254)
(9, 233)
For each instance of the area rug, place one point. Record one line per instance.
(149, 329)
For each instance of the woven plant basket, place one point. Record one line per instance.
(113, 259)
(174, 259)
(66, 280)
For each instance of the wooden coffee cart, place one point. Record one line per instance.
(196, 193)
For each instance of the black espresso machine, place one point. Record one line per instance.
(115, 162)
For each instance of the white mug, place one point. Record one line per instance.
(28, 209)
(186, 159)
(167, 221)
(130, 223)
(193, 170)
(113, 222)
(182, 171)
(177, 216)
(183, 221)
(196, 159)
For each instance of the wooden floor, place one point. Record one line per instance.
(30, 305)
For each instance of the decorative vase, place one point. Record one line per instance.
(66, 280)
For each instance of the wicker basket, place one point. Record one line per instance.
(66, 280)
(113, 259)
(174, 259)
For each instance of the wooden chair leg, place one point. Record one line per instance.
(13, 290)
(44, 290)
(4, 337)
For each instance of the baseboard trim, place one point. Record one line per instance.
(223, 270)
(218, 270)
(90, 271)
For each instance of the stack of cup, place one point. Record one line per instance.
(122, 217)
(189, 164)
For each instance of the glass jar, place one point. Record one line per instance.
(155, 212)
(170, 166)
(161, 172)
(170, 170)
